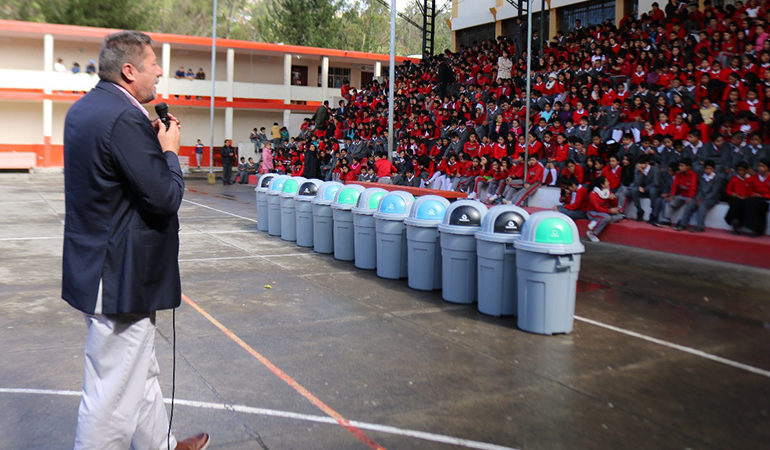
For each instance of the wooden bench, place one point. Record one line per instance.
(450, 195)
(18, 160)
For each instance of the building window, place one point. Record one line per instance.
(589, 13)
(477, 34)
(336, 76)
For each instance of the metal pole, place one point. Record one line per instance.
(212, 177)
(529, 86)
(391, 76)
(542, 26)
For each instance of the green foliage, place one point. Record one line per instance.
(313, 23)
(123, 14)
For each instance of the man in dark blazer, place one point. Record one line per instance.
(123, 186)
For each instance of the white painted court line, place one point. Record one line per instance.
(183, 233)
(33, 238)
(681, 348)
(225, 258)
(423, 435)
(219, 210)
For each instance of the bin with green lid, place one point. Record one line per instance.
(263, 211)
(323, 219)
(500, 229)
(346, 199)
(422, 242)
(391, 234)
(364, 228)
(288, 213)
(303, 211)
(274, 205)
(547, 268)
(458, 250)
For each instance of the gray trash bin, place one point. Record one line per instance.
(263, 186)
(364, 228)
(500, 228)
(422, 242)
(274, 205)
(288, 213)
(458, 250)
(547, 267)
(391, 234)
(344, 202)
(323, 220)
(303, 208)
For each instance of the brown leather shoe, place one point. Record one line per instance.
(198, 442)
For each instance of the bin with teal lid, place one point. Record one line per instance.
(458, 250)
(497, 289)
(422, 242)
(274, 205)
(263, 211)
(547, 269)
(303, 211)
(288, 212)
(345, 200)
(323, 218)
(364, 228)
(391, 234)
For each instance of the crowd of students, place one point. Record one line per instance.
(672, 106)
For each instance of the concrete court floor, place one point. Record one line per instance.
(379, 353)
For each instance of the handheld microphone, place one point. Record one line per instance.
(162, 110)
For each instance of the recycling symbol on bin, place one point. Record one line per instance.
(555, 233)
(431, 212)
(464, 218)
(306, 191)
(511, 225)
(390, 207)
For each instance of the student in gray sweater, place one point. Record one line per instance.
(709, 192)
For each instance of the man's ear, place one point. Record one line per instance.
(129, 72)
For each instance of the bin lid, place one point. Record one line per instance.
(276, 186)
(427, 211)
(308, 190)
(502, 223)
(369, 200)
(291, 187)
(326, 192)
(263, 185)
(347, 197)
(395, 206)
(550, 232)
(463, 217)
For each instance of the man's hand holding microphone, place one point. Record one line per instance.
(167, 126)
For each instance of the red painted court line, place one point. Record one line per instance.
(286, 378)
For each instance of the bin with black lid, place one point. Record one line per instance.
(547, 269)
(422, 242)
(263, 186)
(303, 211)
(458, 250)
(343, 203)
(288, 213)
(391, 234)
(323, 219)
(274, 205)
(364, 228)
(500, 229)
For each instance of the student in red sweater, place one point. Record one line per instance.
(602, 208)
(383, 168)
(683, 190)
(576, 198)
(532, 181)
(738, 190)
(755, 216)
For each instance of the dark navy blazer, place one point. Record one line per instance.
(122, 197)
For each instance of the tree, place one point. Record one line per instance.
(123, 14)
(313, 23)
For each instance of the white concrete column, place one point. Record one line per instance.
(287, 79)
(229, 122)
(325, 78)
(230, 77)
(377, 69)
(286, 118)
(47, 60)
(47, 118)
(166, 61)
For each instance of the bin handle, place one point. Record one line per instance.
(564, 262)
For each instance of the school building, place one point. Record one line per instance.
(256, 84)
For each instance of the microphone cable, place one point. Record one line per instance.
(173, 376)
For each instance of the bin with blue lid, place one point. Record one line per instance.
(497, 289)
(346, 199)
(303, 208)
(364, 228)
(547, 269)
(288, 213)
(263, 212)
(391, 234)
(323, 218)
(274, 205)
(422, 242)
(458, 250)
